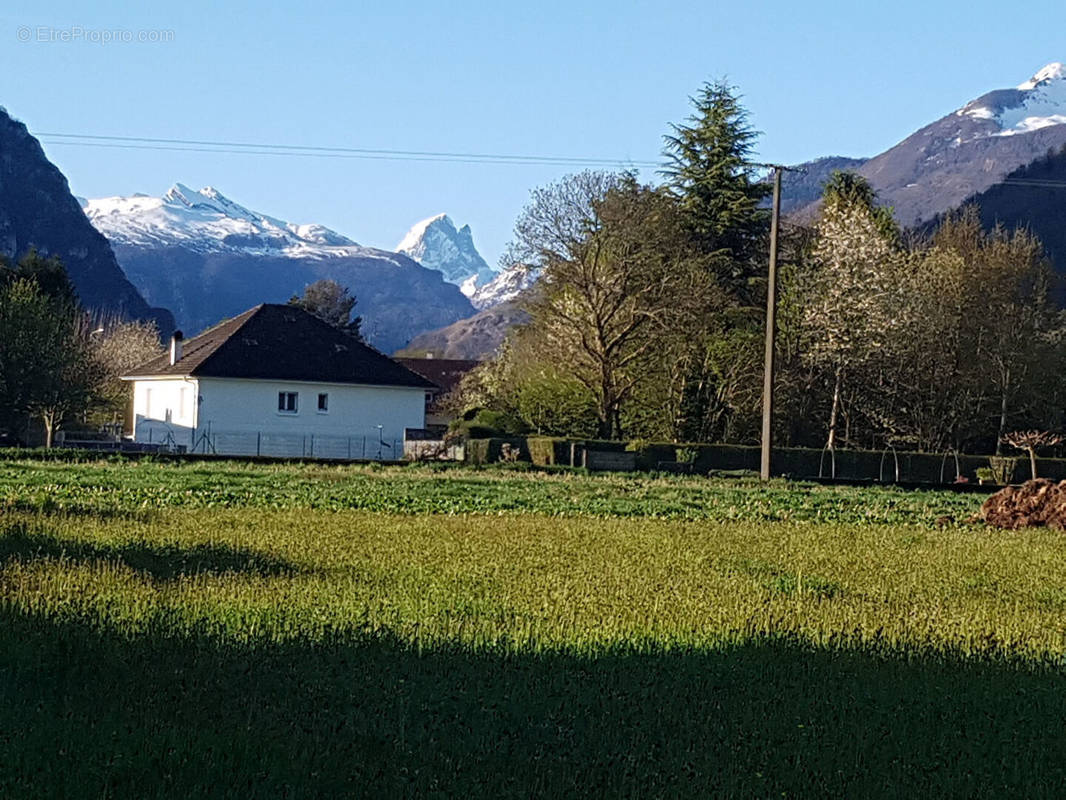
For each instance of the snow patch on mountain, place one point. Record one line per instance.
(437, 244)
(506, 286)
(414, 239)
(1039, 102)
(1052, 72)
(208, 221)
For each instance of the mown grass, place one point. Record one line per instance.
(289, 642)
(123, 487)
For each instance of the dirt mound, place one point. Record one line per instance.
(1037, 503)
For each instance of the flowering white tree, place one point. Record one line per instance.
(851, 291)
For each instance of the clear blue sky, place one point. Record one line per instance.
(582, 79)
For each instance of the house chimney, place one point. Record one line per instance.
(175, 347)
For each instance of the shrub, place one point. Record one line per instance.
(687, 455)
(485, 423)
(1001, 468)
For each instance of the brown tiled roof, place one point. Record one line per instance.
(444, 372)
(280, 342)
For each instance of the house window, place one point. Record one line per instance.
(323, 402)
(287, 402)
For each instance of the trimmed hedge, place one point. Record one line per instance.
(490, 451)
(550, 451)
(795, 462)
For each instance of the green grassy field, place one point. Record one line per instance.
(226, 630)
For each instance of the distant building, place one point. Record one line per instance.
(446, 373)
(276, 380)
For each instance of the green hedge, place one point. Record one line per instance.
(548, 451)
(490, 451)
(788, 462)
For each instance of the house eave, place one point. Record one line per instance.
(190, 376)
(162, 377)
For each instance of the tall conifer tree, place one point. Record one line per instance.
(709, 170)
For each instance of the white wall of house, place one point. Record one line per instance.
(164, 410)
(237, 416)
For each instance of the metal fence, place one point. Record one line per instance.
(369, 446)
(289, 445)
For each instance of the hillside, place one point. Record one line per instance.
(38, 210)
(477, 337)
(966, 152)
(1033, 197)
(803, 187)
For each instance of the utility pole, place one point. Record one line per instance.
(771, 330)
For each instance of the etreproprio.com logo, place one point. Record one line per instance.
(72, 34)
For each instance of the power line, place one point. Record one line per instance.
(256, 148)
(227, 151)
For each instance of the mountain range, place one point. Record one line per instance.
(207, 257)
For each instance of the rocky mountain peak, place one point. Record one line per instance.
(437, 244)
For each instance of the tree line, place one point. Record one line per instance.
(60, 364)
(648, 320)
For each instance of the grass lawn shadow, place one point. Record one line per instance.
(93, 713)
(160, 562)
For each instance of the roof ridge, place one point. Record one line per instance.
(249, 313)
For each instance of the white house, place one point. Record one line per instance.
(276, 380)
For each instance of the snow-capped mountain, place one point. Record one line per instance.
(207, 257)
(506, 286)
(207, 221)
(1038, 103)
(437, 244)
(970, 149)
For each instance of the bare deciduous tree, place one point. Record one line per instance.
(618, 275)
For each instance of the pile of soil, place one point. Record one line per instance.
(1036, 503)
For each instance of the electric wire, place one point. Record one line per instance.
(376, 154)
